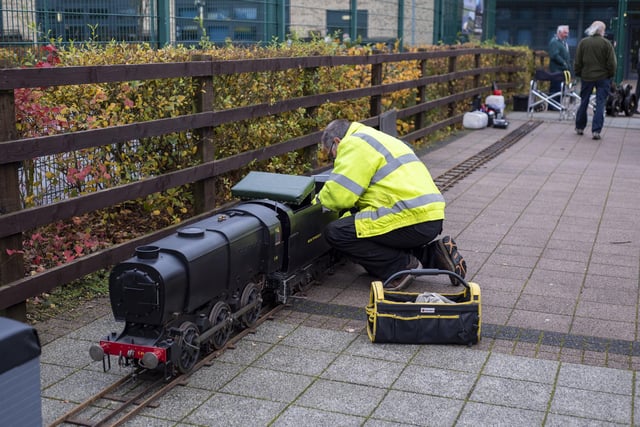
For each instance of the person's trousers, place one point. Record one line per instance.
(380, 255)
(602, 92)
(554, 87)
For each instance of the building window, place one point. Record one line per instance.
(241, 21)
(339, 21)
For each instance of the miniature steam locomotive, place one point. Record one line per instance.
(186, 293)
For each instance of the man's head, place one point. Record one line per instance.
(562, 32)
(333, 133)
(597, 27)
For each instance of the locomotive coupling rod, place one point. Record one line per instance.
(226, 323)
(246, 308)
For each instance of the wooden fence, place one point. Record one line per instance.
(15, 288)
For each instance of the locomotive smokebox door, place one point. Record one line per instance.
(147, 288)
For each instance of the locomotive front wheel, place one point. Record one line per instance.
(189, 351)
(250, 294)
(220, 315)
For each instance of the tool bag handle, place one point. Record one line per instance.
(426, 272)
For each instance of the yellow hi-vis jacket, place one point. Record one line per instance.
(384, 180)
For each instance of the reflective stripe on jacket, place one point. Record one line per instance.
(384, 180)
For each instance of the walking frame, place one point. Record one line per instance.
(565, 101)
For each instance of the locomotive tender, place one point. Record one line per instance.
(186, 292)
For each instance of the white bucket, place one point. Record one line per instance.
(475, 120)
(495, 102)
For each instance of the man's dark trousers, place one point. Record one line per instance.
(380, 255)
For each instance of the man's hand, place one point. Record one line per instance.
(316, 201)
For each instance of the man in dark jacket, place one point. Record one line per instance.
(595, 64)
(559, 59)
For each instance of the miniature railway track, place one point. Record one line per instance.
(128, 396)
(456, 173)
(122, 400)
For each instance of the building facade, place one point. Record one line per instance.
(530, 23)
(188, 22)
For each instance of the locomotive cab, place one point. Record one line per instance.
(306, 252)
(302, 222)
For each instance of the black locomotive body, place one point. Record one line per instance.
(188, 291)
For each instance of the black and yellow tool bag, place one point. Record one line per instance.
(396, 317)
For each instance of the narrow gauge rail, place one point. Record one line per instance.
(456, 173)
(134, 392)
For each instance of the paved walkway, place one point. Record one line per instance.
(551, 233)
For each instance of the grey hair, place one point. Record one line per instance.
(597, 27)
(562, 28)
(337, 128)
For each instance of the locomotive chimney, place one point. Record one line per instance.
(147, 252)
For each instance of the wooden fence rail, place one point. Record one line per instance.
(15, 288)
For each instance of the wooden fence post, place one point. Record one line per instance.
(540, 56)
(453, 62)
(476, 64)
(204, 194)
(422, 95)
(11, 266)
(510, 60)
(376, 100)
(310, 88)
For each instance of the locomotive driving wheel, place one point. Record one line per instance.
(189, 351)
(220, 315)
(250, 295)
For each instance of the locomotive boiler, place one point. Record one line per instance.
(187, 292)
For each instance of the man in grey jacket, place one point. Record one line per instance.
(595, 64)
